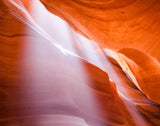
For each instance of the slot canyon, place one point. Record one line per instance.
(79, 62)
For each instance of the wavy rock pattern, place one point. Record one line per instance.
(41, 85)
(120, 26)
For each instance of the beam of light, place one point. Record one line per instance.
(68, 48)
(36, 52)
(57, 120)
(27, 19)
(37, 88)
(90, 51)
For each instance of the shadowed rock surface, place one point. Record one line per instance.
(42, 84)
(123, 26)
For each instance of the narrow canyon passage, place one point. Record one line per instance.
(52, 76)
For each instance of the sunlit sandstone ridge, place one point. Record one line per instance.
(42, 84)
(130, 27)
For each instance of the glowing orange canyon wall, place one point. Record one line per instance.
(43, 83)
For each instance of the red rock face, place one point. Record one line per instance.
(43, 84)
(129, 27)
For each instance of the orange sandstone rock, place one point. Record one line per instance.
(120, 25)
